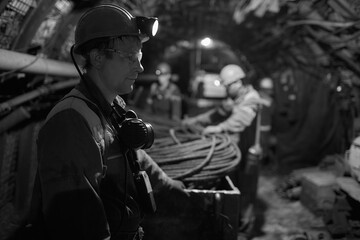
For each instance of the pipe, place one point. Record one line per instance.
(43, 90)
(320, 23)
(11, 60)
(19, 115)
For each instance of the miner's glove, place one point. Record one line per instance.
(212, 129)
(191, 121)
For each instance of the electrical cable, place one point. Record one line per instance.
(185, 154)
(198, 167)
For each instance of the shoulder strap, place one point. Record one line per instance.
(118, 107)
(89, 117)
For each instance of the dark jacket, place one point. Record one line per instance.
(80, 194)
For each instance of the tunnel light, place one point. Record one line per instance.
(206, 42)
(217, 83)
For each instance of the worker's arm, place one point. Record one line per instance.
(209, 117)
(242, 114)
(158, 178)
(241, 117)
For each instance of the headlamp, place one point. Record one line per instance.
(147, 25)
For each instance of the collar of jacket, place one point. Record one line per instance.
(245, 89)
(92, 92)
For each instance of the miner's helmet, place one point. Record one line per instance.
(163, 68)
(109, 20)
(231, 73)
(266, 83)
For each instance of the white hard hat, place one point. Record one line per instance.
(231, 73)
(266, 83)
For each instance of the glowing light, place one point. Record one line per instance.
(155, 27)
(206, 42)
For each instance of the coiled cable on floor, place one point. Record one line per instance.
(198, 160)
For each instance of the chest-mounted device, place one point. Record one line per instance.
(132, 131)
(135, 134)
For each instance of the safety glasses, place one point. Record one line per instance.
(132, 57)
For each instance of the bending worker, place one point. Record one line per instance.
(90, 181)
(235, 116)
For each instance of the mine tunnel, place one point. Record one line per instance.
(181, 120)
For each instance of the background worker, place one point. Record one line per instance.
(165, 96)
(87, 178)
(235, 116)
(268, 139)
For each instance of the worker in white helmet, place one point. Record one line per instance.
(236, 116)
(235, 113)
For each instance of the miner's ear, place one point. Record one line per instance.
(96, 58)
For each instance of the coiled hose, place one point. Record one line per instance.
(187, 155)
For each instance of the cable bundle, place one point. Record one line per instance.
(198, 160)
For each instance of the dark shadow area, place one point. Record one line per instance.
(260, 209)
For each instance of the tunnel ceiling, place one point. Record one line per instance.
(271, 34)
